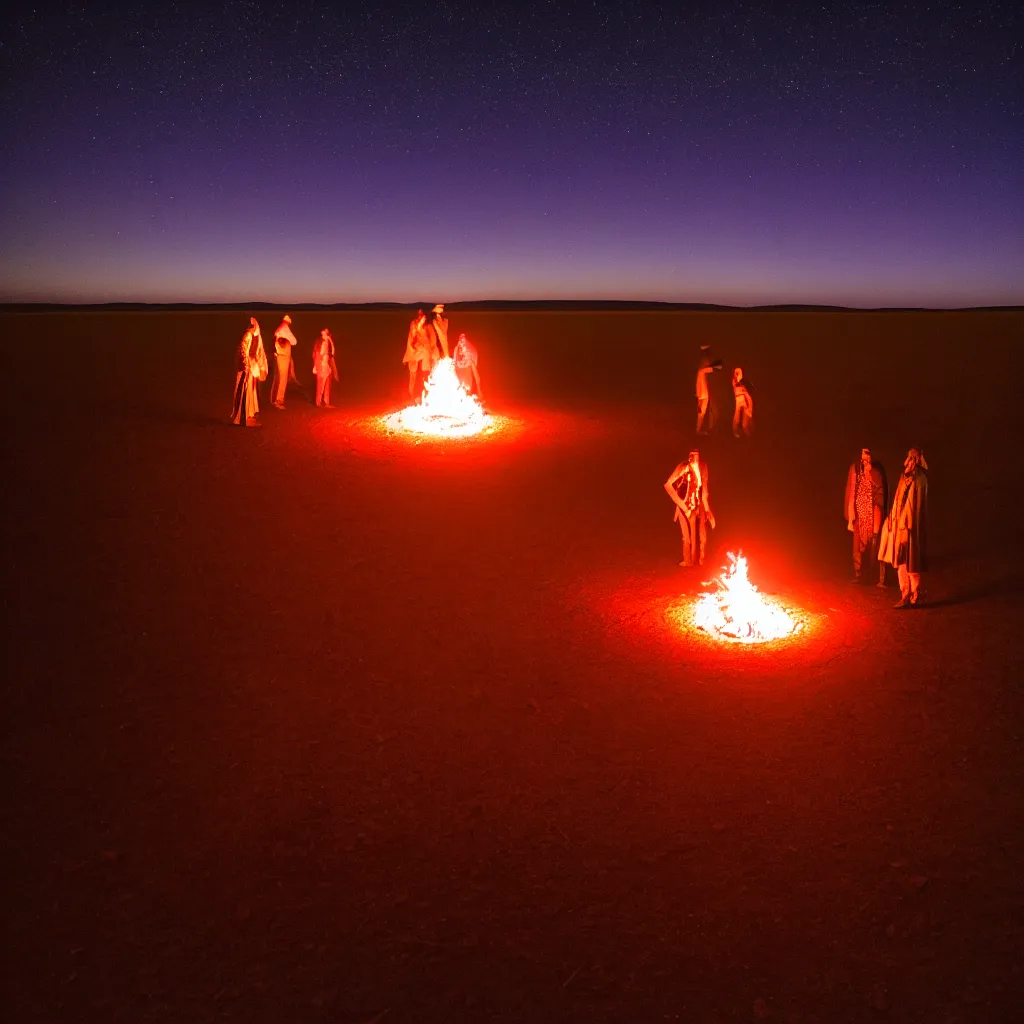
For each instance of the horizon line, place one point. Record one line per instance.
(580, 305)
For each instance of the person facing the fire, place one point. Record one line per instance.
(864, 509)
(688, 489)
(466, 370)
(904, 537)
(420, 351)
(250, 369)
(743, 417)
(284, 341)
(325, 369)
(439, 322)
(706, 411)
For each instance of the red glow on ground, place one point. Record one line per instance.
(366, 431)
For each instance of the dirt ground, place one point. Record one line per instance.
(312, 722)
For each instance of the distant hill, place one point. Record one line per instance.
(485, 305)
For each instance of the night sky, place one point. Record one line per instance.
(861, 154)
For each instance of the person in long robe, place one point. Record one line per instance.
(706, 411)
(466, 359)
(325, 369)
(440, 324)
(904, 536)
(250, 369)
(688, 488)
(420, 351)
(743, 416)
(284, 342)
(864, 509)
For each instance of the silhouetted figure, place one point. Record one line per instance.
(439, 322)
(706, 411)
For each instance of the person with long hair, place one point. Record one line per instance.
(325, 368)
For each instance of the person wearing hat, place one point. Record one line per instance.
(440, 324)
(864, 509)
(688, 488)
(284, 341)
(904, 537)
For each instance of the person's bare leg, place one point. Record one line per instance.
(904, 579)
(881, 565)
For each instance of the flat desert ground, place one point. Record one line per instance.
(314, 722)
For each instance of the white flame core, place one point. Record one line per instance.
(445, 410)
(736, 611)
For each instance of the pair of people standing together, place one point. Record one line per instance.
(427, 343)
(899, 538)
(743, 401)
(325, 367)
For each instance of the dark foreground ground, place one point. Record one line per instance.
(313, 723)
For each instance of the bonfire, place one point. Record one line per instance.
(445, 410)
(735, 610)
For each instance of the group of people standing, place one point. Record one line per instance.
(687, 484)
(427, 343)
(252, 368)
(892, 535)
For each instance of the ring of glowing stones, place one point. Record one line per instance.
(738, 613)
(445, 410)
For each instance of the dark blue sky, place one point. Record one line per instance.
(864, 154)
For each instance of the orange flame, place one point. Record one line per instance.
(445, 410)
(736, 611)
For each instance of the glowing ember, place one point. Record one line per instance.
(736, 611)
(445, 410)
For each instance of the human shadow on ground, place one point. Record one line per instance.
(1006, 586)
(122, 408)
